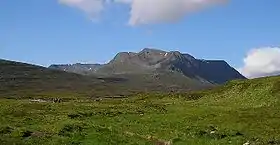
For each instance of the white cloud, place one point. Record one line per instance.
(262, 62)
(160, 11)
(90, 7)
(146, 11)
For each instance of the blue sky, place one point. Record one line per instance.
(45, 32)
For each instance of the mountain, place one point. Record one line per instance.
(154, 61)
(149, 70)
(25, 80)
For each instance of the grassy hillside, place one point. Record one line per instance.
(247, 93)
(236, 113)
(23, 80)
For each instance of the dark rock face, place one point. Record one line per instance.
(218, 71)
(151, 61)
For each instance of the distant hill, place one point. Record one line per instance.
(77, 68)
(154, 61)
(24, 79)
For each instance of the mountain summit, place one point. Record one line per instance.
(155, 61)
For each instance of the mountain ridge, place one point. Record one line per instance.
(150, 60)
(23, 80)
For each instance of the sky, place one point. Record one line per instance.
(245, 33)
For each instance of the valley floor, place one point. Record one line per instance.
(156, 119)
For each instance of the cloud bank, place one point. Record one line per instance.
(146, 11)
(262, 62)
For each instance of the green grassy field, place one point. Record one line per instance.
(236, 113)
